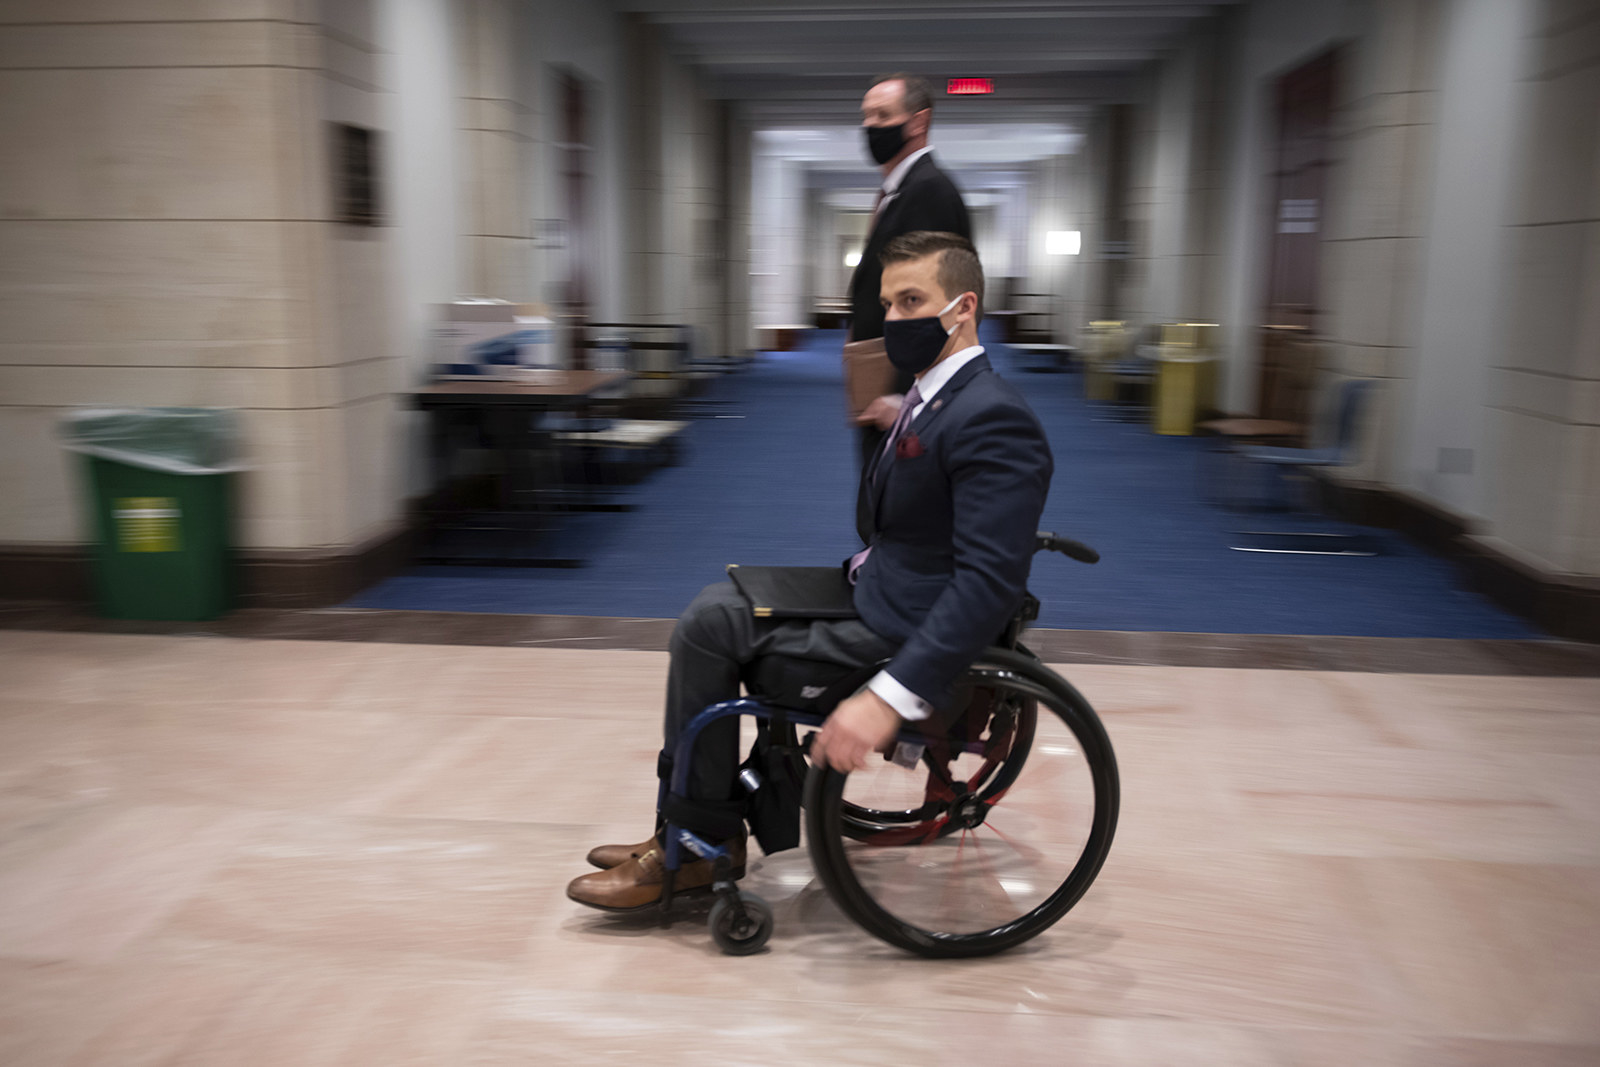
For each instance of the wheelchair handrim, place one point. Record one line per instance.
(994, 778)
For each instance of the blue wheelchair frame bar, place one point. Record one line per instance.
(676, 837)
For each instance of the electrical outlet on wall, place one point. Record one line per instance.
(1455, 461)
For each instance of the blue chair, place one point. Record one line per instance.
(1275, 463)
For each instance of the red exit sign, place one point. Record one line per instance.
(969, 86)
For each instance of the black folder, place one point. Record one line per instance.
(795, 592)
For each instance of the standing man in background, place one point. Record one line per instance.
(916, 195)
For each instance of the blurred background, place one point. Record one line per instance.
(380, 378)
(1200, 220)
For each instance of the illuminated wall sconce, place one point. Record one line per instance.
(852, 259)
(1063, 242)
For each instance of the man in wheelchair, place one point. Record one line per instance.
(948, 511)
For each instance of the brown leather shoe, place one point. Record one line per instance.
(636, 883)
(608, 856)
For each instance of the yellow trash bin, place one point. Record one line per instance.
(1184, 377)
(1177, 384)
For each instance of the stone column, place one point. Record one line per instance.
(740, 331)
(495, 137)
(1378, 198)
(676, 172)
(169, 236)
(1544, 501)
(643, 243)
(1173, 199)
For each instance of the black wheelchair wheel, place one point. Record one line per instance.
(741, 934)
(995, 865)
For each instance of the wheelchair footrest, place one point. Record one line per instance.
(702, 849)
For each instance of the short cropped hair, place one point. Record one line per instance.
(918, 93)
(959, 269)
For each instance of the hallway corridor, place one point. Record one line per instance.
(772, 481)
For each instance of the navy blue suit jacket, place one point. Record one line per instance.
(952, 529)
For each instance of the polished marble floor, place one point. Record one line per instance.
(232, 850)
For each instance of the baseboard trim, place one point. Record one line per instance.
(268, 578)
(45, 572)
(1367, 655)
(1566, 605)
(320, 578)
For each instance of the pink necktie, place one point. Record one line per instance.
(901, 421)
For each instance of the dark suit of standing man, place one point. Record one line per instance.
(896, 113)
(948, 509)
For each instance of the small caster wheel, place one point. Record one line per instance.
(738, 935)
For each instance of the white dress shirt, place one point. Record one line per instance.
(886, 685)
(891, 184)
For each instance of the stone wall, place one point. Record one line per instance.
(167, 237)
(1544, 387)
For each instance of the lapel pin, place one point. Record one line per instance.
(938, 403)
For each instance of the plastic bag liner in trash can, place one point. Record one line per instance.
(160, 507)
(175, 440)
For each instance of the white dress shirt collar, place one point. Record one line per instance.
(934, 378)
(891, 184)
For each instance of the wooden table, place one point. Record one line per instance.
(1253, 428)
(524, 529)
(560, 388)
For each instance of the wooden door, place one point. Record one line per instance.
(1303, 111)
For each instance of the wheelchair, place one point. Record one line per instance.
(964, 839)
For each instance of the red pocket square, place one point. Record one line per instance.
(908, 447)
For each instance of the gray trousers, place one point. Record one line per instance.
(715, 639)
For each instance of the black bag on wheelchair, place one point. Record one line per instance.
(783, 682)
(773, 805)
(772, 774)
(772, 780)
(804, 685)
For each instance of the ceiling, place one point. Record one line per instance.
(980, 156)
(841, 148)
(806, 63)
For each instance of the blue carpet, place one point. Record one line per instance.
(776, 484)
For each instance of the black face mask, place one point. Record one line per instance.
(912, 345)
(885, 142)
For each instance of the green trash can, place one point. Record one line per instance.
(160, 504)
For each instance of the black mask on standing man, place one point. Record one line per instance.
(885, 142)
